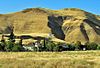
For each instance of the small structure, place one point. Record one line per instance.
(37, 44)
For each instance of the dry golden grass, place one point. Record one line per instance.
(69, 59)
(35, 20)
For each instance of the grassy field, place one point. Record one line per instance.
(69, 59)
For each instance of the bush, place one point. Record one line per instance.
(98, 47)
(9, 46)
(91, 46)
(17, 48)
(50, 46)
(35, 49)
(2, 46)
(78, 45)
(41, 48)
(56, 48)
(71, 47)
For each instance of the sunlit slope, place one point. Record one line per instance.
(70, 24)
(27, 21)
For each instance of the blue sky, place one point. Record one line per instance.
(7, 6)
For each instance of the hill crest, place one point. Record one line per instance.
(69, 24)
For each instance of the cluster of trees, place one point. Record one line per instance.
(46, 45)
(10, 45)
(56, 47)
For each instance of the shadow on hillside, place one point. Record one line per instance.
(26, 37)
(55, 25)
(84, 32)
(94, 25)
(30, 37)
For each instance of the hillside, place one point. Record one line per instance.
(69, 24)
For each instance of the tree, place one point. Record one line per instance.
(2, 44)
(12, 36)
(20, 42)
(56, 48)
(98, 48)
(91, 46)
(78, 45)
(71, 47)
(17, 48)
(49, 46)
(11, 42)
(9, 46)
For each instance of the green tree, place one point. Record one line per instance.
(12, 36)
(2, 44)
(98, 47)
(78, 45)
(17, 48)
(9, 46)
(56, 48)
(91, 46)
(71, 47)
(50, 45)
(11, 42)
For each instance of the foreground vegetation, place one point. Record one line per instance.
(69, 59)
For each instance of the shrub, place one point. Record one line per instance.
(91, 46)
(41, 48)
(35, 49)
(17, 48)
(56, 48)
(2, 44)
(9, 46)
(50, 45)
(78, 45)
(71, 47)
(1, 48)
(98, 47)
